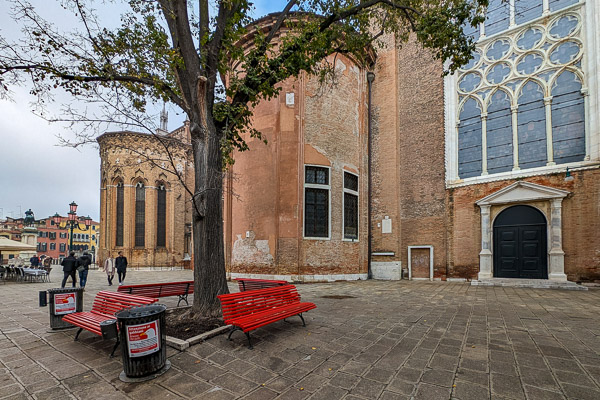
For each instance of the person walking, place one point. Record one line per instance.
(121, 266)
(69, 265)
(109, 268)
(47, 262)
(34, 261)
(84, 265)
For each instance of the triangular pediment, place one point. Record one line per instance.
(522, 191)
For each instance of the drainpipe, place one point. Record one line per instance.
(370, 78)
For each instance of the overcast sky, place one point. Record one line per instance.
(35, 172)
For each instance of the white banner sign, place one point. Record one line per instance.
(143, 339)
(64, 303)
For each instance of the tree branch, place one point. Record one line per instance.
(159, 84)
(176, 15)
(282, 16)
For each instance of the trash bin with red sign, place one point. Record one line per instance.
(63, 302)
(143, 342)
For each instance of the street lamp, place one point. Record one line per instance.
(72, 221)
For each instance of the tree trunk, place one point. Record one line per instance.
(209, 260)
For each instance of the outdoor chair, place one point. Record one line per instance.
(9, 272)
(20, 274)
(3, 275)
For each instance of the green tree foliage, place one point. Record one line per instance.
(216, 68)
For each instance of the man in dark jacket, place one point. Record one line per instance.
(70, 265)
(84, 265)
(121, 266)
(34, 261)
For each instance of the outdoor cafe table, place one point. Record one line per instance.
(33, 272)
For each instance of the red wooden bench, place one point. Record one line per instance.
(252, 309)
(166, 289)
(253, 284)
(106, 305)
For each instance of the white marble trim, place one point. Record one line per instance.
(301, 278)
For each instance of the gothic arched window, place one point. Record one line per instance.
(119, 214)
(161, 216)
(140, 214)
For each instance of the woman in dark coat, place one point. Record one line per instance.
(84, 265)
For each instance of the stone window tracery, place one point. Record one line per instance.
(520, 100)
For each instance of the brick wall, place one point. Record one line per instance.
(408, 156)
(325, 126)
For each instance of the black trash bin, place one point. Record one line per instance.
(143, 342)
(62, 302)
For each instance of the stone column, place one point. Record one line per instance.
(512, 13)
(485, 256)
(586, 107)
(556, 259)
(515, 133)
(484, 144)
(549, 142)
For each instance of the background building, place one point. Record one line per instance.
(145, 211)
(11, 228)
(53, 240)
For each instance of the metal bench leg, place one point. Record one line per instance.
(112, 353)
(233, 329)
(249, 341)
(302, 318)
(184, 298)
(78, 332)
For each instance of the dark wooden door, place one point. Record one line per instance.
(520, 244)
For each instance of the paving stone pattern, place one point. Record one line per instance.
(391, 340)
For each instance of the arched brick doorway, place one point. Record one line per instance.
(520, 243)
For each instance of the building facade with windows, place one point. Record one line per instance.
(52, 240)
(490, 172)
(145, 210)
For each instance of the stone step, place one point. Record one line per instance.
(529, 283)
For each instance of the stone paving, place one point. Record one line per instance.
(389, 340)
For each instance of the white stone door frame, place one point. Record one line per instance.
(522, 193)
(430, 261)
